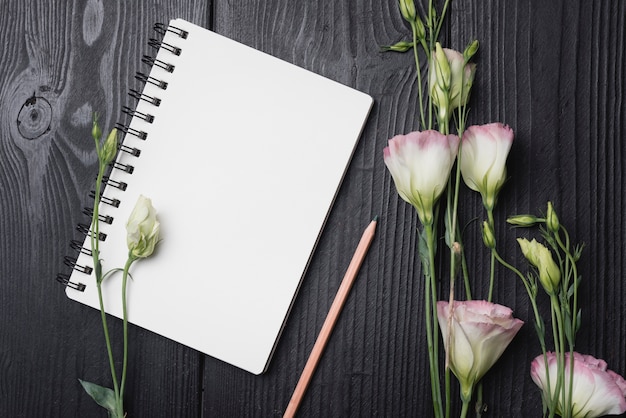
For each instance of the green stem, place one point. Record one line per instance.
(571, 263)
(107, 339)
(432, 333)
(492, 272)
(465, 408)
(419, 75)
(129, 262)
(559, 344)
(95, 251)
(479, 400)
(441, 18)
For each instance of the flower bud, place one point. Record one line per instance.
(96, 132)
(552, 220)
(523, 220)
(420, 30)
(142, 229)
(488, 236)
(109, 148)
(540, 256)
(471, 50)
(442, 68)
(401, 46)
(407, 9)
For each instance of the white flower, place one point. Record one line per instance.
(596, 391)
(484, 151)
(420, 164)
(479, 334)
(450, 80)
(142, 229)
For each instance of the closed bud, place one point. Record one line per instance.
(471, 50)
(488, 236)
(401, 46)
(523, 220)
(420, 30)
(407, 9)
(109, 148)
(540, 256)
(96, 132)
(442, 67)
(552, 220)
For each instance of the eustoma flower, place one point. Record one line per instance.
(420, 164)
(142, 229)
(596, 391)
(480, 332)
(450, 80)
(484, 152)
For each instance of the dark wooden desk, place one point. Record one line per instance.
(554, 71)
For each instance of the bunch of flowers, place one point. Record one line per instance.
(429, 165)
(142, 236)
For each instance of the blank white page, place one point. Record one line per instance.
(242, 162)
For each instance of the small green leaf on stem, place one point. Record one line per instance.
(104, 397)
(401, 46)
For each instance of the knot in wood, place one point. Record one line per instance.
(35, 117)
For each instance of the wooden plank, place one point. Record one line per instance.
(74, 58)
(553, 71)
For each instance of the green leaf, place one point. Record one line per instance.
(104, 397)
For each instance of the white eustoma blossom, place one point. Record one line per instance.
(420, 164)
(596, 391)
(480, 331)
(142, 229)
(448, 69)
(484, 151)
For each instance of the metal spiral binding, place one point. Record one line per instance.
(134, 132)
(145, 116)
(64, 279)
(124, 167)
(117, 184)
(147, 59)
(78, 246)
(111, 202)
(149, 79)
(156, 44)
(85, 229)
(102, 218)
(161, 29)
(141, 96)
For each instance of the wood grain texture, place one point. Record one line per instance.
(554, 71)
(74, 58)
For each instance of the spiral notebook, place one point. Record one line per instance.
(242, 155)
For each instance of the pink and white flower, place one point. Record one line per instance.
(596, 391)
(480, 332)
(420, 164)
(450, 78)
(484, 152)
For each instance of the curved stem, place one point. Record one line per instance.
(129, 262)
